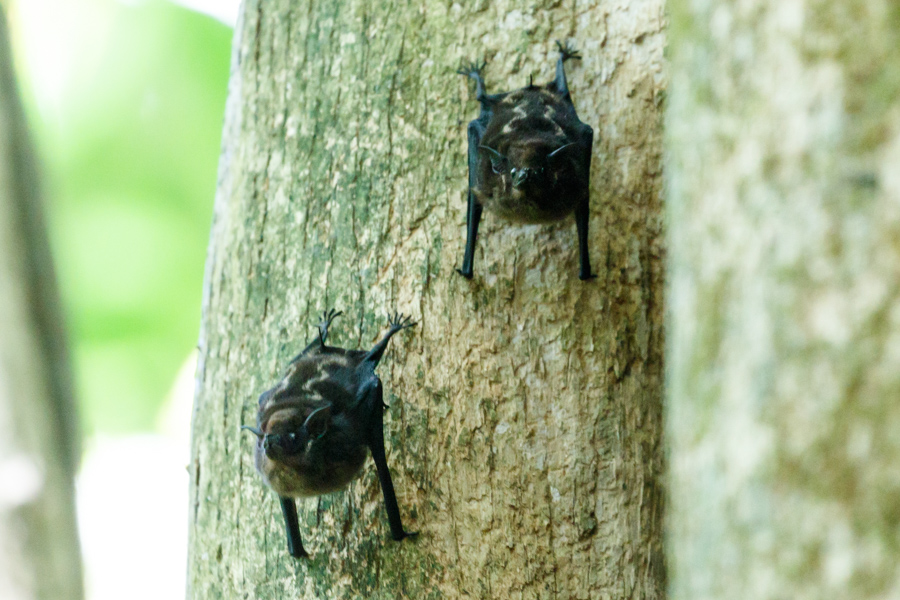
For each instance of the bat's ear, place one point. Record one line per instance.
(253, 430)
(561, 152)
(499, 163)
(316, 424)
(493, 154)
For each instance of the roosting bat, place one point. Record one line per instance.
(529, 158)
(314, 428)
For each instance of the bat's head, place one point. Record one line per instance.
(530, 166)
(285, 439)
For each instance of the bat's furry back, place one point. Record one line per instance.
(317, 380)
(535, 130)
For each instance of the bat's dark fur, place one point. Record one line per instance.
(529, 158)
(314, 428)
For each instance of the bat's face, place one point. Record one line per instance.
(530, 180)
(298, 453)
(283, 446)
(290, 429)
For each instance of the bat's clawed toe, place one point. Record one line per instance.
(567, 51)
(399, 321)
(328, 316)
(472, 69)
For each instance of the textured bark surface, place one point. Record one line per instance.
(524, 428)
(784, 138)
(39, 553)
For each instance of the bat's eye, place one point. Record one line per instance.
(292, 436)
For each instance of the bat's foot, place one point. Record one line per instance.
(399, 321)
(467, 274)
(472, 69)
(327, 317)
(586, 276)
(567, 51)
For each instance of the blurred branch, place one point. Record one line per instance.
(39, 557)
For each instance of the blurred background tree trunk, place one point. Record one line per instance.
(524, 428)
(784, 139)
(39, 552)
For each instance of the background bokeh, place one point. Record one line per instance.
(125, 100)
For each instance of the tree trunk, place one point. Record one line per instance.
(524, 428)
(39, 553)
(784, 136)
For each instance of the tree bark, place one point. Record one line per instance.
(784, 139)
(524, 428)
(39, 552)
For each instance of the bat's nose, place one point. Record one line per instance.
(519, 176)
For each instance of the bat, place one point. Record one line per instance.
(529, 158)
(316, 426)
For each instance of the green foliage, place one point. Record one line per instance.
(128, 127)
